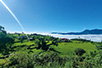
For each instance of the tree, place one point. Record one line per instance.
(5, 41)
(2, 29)
(42, 44)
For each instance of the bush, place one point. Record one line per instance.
(24, 60)
(79, 51)
(48, 58)
(21, 60)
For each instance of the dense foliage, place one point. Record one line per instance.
(5, 41)
(39, 51)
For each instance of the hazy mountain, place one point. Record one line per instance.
(93, 31)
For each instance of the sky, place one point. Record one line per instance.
(52, 15)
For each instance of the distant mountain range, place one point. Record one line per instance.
(85, 32)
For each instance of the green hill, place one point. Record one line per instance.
(39, 51)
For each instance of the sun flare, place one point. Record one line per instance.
(14, 17)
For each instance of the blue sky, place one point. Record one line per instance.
(52, 15)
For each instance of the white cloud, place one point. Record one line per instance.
(97, 38)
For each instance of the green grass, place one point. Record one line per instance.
(19, 48)
(66, 48)
(4, 61)
(24, 43)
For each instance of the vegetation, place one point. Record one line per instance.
(47, 52)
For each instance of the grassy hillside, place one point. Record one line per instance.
(48, 52)
(66, 48)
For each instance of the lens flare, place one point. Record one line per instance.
(14, 17)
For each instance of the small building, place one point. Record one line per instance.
(18, 37)
(22, 37)
(31, 39)
(65, 40)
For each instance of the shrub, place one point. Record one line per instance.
(21, 60)
(48, 57)
(79, 51)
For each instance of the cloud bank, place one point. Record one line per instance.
(96, 38)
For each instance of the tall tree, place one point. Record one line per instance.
(5, 41)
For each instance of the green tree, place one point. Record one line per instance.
(5, 41)
(1, 28)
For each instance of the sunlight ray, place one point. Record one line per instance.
(14, 17)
